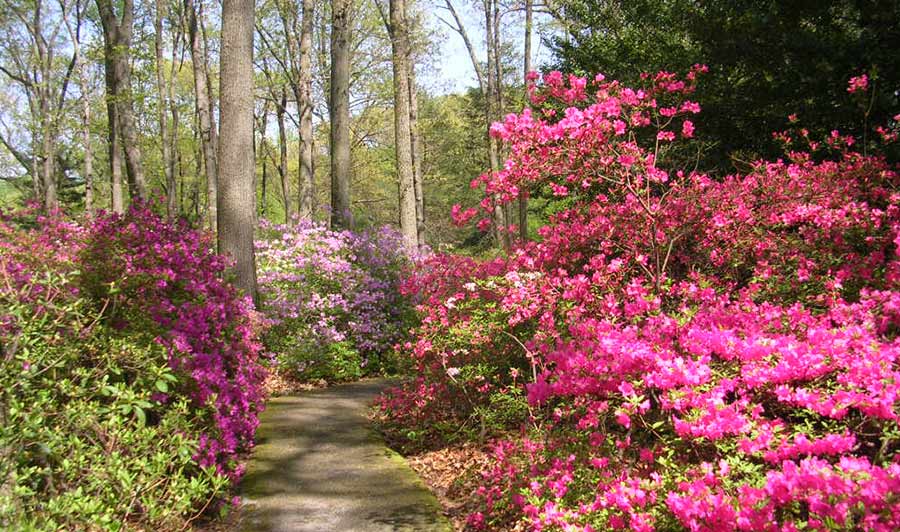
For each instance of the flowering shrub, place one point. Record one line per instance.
(697, 353)
(465, 360)
(130, 379)
(332, 298)
(164, 281)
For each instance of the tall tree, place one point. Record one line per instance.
(416, 148)
(339, 113)
(264, 154)
(280, 111)
(415, 133)
(526, 69)
(307, 190)
(162, 111)
(494, 109)
(117, 33)
(175, 63)
(81, 67)
(205, 111)
(236, 193)
(491, 87)
(402, 131)
(32, 46)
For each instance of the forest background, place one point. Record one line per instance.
(68, 65)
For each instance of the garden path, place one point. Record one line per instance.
(318, 466)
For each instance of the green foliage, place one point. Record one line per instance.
(766, 59)
(454, 132)
(332, 362)
(89, 438)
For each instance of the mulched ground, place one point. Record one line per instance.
(277, 385)
(452, 474)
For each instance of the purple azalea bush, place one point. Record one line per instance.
(332, 298)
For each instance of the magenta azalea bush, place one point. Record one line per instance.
(332, 298)
(131, 379)
(677, 351)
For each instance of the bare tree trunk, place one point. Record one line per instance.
(204, 110)
(499, 110)
(461, 29)
(88, 157)
(117, 199)
(523, 195)
(264, 148)
(179, 164)
(415, 135)
(86, 115)
(117, 43)
(48, 155)
(498, 64)
(174, 206)
(307, 185)
(48, 147)
(402, 131)
(282, 155)
(237, 196)
(416, 147)
(339, 114)
(198, 171)
(490, 98)
(162, 113)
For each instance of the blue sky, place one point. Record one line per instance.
(452, 70)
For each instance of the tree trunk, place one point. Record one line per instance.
(117, 200)
(282, 155)
(501, 231)
(174, 205)
(415, 139)
(88, 156)
(307, 183)
(339, 114)
(117, 43)
(204, 110)
(265, 179)
(81, 65)
(236, 194)
(43, 93)
(486, 81)
(523, 195)
(461, 30)
(162, 114)
(264, 149)
(48, 155)
(402, 131)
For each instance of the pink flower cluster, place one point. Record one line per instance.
(699, 352)
(163, 279)
(326, 286)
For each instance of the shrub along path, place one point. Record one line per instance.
(318, 466)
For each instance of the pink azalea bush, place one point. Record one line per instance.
(131, 375)
(697, 353)
(332, 298)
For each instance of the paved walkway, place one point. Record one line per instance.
(318, 467)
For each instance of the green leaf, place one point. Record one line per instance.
(162, 386)
(141, 415)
